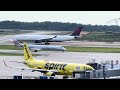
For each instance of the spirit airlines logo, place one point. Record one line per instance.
(55, 66)
(25, 47)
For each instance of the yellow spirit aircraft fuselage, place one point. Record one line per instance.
(61, 67)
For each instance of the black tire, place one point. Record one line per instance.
(46, 43)
(64, 77)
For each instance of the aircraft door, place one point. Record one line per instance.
(77, 68)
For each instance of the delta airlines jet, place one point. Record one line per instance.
(48, 38)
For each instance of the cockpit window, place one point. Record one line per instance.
(88, 68)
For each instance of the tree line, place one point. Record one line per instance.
(48, 25)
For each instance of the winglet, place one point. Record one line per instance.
(8, 66)
(55, 36)
(5, 63)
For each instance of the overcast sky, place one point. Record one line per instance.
(84, 17)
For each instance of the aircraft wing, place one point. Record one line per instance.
(18, 61)
(47, 38)
(33, 69)
(40, 70)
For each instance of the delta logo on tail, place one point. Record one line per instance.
(77, 31)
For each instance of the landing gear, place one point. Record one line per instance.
(65, 77)
(46, 43)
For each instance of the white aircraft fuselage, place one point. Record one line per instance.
(46, 47)
(50, 38)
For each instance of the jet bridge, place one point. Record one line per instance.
(102, 71)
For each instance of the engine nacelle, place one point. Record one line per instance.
(35, 50)
(49, 74)
(37, 41)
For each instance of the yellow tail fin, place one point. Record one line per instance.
(27, 53)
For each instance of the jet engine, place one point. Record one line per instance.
(35, 50)
(49, 74)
